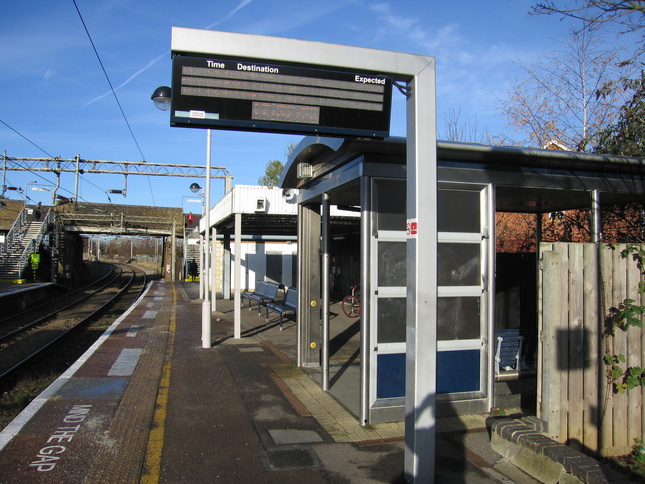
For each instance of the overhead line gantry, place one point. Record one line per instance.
(80, 166)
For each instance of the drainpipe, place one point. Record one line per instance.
(596, 219)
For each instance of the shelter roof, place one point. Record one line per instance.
(266, 211)
(526, 179)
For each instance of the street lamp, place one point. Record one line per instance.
(26, 187)
(194, 187)
(162, 97)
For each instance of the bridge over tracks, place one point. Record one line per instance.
(113, 219)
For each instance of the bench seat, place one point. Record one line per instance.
(289, 304)
(264, 293)
(508, 354)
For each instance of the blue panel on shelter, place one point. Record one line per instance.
(458, 371)
(390, 375)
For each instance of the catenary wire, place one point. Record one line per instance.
(116, 98)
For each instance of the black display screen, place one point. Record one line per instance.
(260, 96)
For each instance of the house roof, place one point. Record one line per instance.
(9, 212)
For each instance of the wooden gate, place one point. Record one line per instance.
(579, 285)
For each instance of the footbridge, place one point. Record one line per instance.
(45, 243)
(113, 219)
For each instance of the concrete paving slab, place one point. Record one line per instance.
(291, 436)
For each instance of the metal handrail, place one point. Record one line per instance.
(15, 233)
(33, 244)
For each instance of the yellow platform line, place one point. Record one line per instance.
(152, 466)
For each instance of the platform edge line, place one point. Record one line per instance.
(16, 425)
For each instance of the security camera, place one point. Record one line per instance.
(289, 193)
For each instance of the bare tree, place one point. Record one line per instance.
(457, 130)
(627, 15)
(556, 99)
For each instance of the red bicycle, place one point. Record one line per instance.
(352, 303)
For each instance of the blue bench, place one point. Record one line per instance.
(290, 304)
(259, 288)
(508, 354)
(264, 292)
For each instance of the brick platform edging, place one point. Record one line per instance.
(522, 443)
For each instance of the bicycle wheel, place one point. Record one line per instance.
(351, 306)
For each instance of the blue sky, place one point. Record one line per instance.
(54, 93)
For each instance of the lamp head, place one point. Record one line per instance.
(194, 187)
(161, 97)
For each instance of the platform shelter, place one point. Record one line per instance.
(474, 182)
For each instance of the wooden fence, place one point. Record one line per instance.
(579, 286)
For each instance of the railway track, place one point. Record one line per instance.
(25, 337)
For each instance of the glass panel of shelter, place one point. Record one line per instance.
(388, 289)
(461, 318)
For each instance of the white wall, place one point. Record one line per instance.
(254, 262)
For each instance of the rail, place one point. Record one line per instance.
(79, 324)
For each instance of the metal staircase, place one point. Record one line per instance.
(23, 239)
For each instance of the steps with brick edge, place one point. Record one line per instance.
(524, 444)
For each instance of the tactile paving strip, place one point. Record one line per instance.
(121, 458)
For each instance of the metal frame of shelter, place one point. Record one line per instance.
(418, 72)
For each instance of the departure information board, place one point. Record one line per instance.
(257, 96)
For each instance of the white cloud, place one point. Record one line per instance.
(471, 72)
(430, 40)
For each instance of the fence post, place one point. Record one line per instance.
(552, 284)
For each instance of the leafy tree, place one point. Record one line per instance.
(274, 169)
(272, 173)
(556, 99)
(627, 135)
(625, 223)
(515, 232)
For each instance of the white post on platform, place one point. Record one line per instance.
(211, 272)
(206, 303)
(237, 329)
(162, 99)
(324, 377)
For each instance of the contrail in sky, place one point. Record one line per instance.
(241, 5)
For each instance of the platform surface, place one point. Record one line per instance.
(148, 404)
